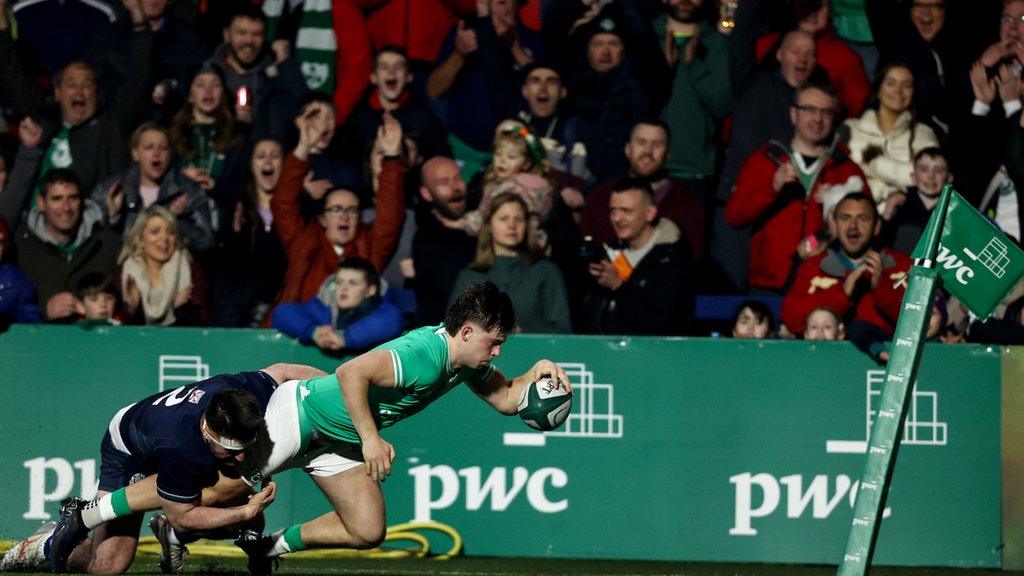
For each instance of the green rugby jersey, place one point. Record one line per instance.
(423, 373)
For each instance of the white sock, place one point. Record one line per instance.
(279, 547)
(98, 511)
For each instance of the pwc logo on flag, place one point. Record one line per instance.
(977, 262)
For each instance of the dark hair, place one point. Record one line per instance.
(653, 121)
(365, 266)
(391, 49)
(539, 65)
(804, 9)
(83, 64)
(483, 304)
(311, 97)
(249, 11)
(183, 127)
(858, 197)
(631, 183)
(59, 176)
(874, 102)
(759, 309)
(234, 413)
(931, 152)
(94, 283)
(819, 86)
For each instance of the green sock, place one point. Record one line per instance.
(288, 541)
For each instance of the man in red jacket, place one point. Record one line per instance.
(780, 189)
(863, 286)
(315, 248)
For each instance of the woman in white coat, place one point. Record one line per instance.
(886, 137)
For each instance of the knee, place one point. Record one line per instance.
(369, 537)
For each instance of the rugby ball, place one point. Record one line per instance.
(545, 404)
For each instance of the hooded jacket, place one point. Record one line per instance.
(891, 155)
(55, 269)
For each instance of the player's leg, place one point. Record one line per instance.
(111, 549)
(358, 520)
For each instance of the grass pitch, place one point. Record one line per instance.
(526, 567)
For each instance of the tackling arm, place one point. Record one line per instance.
(283, 372)
(193, 517)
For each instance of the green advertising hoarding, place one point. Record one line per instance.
(677, 449)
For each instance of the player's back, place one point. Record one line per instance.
(169, 419)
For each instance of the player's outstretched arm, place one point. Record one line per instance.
(503, 394)
(192, 517)
(354, 379)
(283, 372)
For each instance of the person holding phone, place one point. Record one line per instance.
(645, 286)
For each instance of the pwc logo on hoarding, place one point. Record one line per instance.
(822, 493)
(473, 488)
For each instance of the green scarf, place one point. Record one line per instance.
(315, 43)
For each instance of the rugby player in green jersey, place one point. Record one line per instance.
(330, 426)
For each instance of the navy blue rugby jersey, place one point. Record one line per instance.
(163, 431)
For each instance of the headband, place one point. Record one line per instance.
(224, 441)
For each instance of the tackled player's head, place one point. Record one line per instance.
(232, 420)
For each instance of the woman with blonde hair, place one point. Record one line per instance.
(508, 254)
(159, 282)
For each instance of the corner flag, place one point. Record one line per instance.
(979, 265)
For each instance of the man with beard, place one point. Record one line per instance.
(764, 98)
(647, 150)
(391, 94)
(89, 139)
(315, 248)
(181, 442)
(781, 190)
(266, 92)
(439, 253)
(862, 285)
(699, 58)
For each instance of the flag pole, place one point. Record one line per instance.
(900, 375)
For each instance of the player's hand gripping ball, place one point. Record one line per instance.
(545, 404)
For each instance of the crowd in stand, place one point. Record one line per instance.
(339, 169)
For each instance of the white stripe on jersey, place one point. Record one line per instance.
(396, 365)
(115, 431)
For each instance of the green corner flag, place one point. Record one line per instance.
(979, 265)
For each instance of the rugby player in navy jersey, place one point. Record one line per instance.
(189, 438)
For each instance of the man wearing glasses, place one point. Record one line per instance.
(316, 247)
(781, 189)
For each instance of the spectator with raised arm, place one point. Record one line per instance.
(316, 247)
(477, 70)
(89, 138)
